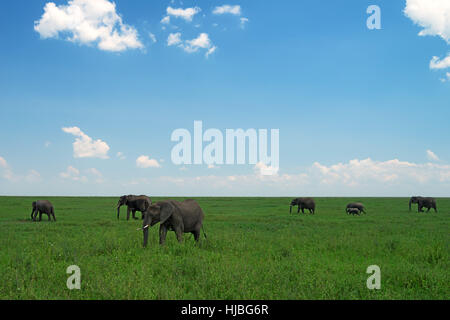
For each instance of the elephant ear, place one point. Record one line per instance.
(142, 205)
(166, 212)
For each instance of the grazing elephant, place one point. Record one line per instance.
(356, 205)
(181, 217)
(423, 202)
(353, 211)
(42, 206)
(303, 203)
(133, 203)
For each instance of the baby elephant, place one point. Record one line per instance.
(42, 206)
(353, 211)
(355, 205)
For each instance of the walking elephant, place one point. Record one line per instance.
(133, 203)
(180, 217)
(356, 205)
(423, 202)
(42, 206)
(302, 204)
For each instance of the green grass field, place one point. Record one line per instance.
(255, 250)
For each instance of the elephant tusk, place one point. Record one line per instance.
(143, 228)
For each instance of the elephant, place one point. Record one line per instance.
(356, 205)
(133, 203)
(42, 206)
(303, 203)
(353, 211)
(180, 217)
(422, 202)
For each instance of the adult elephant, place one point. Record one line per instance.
(302, 204)
(133, 203)
(423, 202)
(42, 206)
(180, 217)
(355, 205)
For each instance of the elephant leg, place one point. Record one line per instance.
(303, 210)
(179, 234)
(162, 234)
(40, 215)
(298, 209)
(143, 215)
(49, 216)
(196, 234)
(429, 209)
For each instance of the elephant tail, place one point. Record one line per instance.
(204, 233)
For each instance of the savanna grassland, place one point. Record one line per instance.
(255, 250)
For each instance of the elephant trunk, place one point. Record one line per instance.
(118, 211)
(145, 231)
(290, 208)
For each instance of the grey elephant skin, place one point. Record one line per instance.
(423, 202)
(133, 203)
(356, 205)
(180, 217)
(302, 204)
(42, 206)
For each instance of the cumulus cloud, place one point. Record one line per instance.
(437, 63)
(359, 172)
(433, 16)
(185, 14)
(265, 170)
(85, 147)
(146, 162)
(73, 173)
(190, 46)
(234, 10)
(174, 39)
(432, 156)
(88, 22)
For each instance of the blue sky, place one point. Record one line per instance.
(360, 112)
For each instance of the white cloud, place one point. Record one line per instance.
(190, 46)
(88, 22)
(85, 147)
(210, 51)
(432, 15)
(437, 63)
(243, 22)
(120, 155)
(3, 163)
(234, 10)
(165, 20)
(174, 39)
(146, 162)
(185, 14)
(33, 176)
(47, 144)
(152, 37)
(265, 170)
(72, 173)
(432, 156)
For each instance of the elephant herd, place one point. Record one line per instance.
(187, 216)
